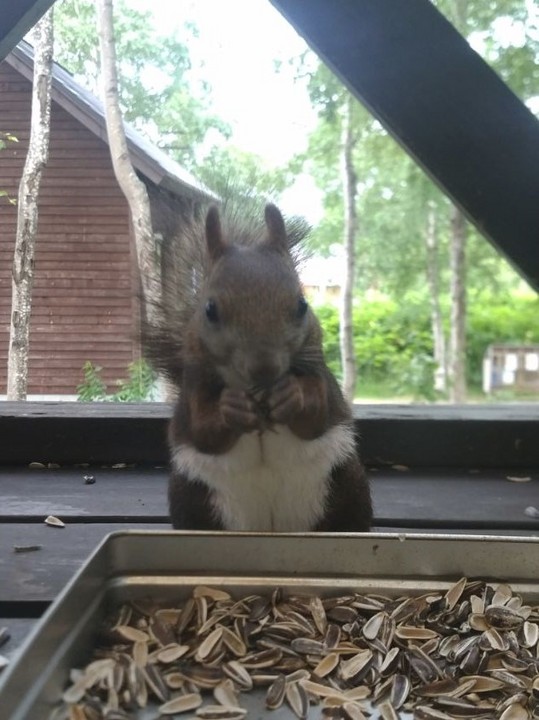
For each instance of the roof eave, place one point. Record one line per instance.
(95, 122)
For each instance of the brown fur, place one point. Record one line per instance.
(246, 354)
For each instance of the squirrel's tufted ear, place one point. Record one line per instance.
(214, 233)
(277, 237)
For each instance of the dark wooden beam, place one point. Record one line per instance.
(418, 436)
(17, 17)
(443, 104)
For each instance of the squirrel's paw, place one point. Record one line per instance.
(238, 411)
(285, 400)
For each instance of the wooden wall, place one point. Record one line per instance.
(84, 302)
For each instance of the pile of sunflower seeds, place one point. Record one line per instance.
(471, 652)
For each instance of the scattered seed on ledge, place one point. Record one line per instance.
(53, 521)
(26, 548)
(4, 636)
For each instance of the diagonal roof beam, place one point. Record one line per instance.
(17, 17)
(443, 104)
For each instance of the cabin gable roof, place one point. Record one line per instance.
(149, 160)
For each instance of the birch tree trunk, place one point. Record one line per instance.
(349, 184)
(27, 213)
(132, 187)
(433, 282)
(457, 340)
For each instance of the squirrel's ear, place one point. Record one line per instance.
(214, 234)
(277, 237)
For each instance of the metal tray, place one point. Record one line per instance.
(167, 565)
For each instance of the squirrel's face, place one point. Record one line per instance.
(254, 318)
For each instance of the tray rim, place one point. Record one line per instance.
(99, 562)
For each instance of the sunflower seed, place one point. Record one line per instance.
(215, 594)
(318, 613)
(454, 593)
(221, 712)
(502, 618)
(180, 704)
(350, 668)
(238, 674)
(354, 711)
(296, 697)
(126, 632)
(515, 711)
(373, 625)
(387, 711)
(225, 693)
(276, 692)
(170, 653)
(326, 665)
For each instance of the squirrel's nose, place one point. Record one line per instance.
(265, 371)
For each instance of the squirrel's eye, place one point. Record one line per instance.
(211, 311)
(302, 307)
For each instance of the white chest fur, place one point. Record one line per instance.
(272, 482)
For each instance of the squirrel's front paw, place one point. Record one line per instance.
(285, 400)
(238, 411)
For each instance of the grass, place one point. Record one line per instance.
(369, 390)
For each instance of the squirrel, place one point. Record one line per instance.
(261, 438)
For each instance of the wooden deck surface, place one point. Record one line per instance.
(471, 493)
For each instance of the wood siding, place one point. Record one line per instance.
(84, 300)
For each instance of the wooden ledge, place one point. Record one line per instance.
(472, 436)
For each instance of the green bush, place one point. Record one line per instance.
(393, 344)
(92, 388)
(139, 385)
(393, 341)
(515, 320)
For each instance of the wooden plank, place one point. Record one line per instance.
(73, 433)
(420, 498)
(443, 103)
(125, 494)
(468, 437)
(40, 575)
(455, 499)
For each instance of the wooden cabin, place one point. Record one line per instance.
(85, 304)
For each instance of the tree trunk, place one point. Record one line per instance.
(132, 187)
(27, 214)
(457, 367)
(349, 183)
(433, 277)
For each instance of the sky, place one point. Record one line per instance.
(269, 111)
(238, 44)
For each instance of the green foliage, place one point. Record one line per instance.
(393, 341)
(6, 138)
(139, 385)
(157, 92)
(392, 344)
(513, 320)
(92, 388)
(329, 320)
